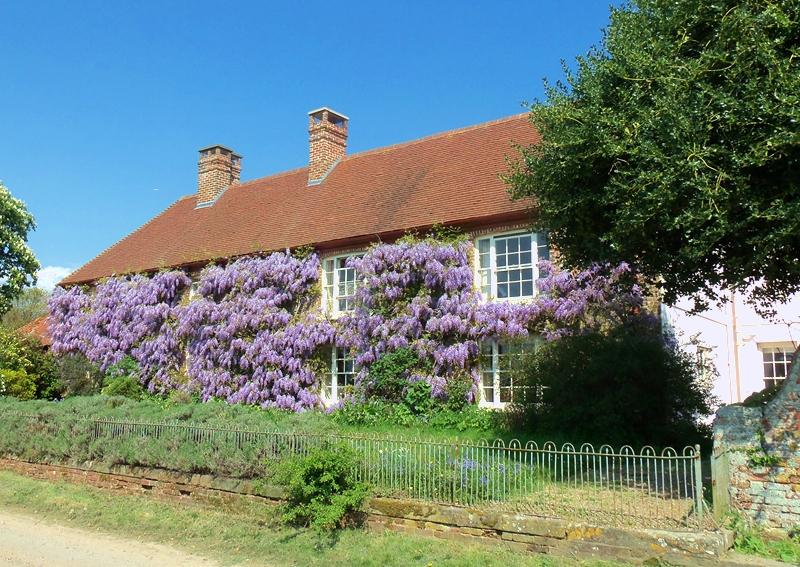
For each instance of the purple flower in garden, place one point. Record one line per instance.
(252, 334)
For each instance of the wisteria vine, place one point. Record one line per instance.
(254, 335)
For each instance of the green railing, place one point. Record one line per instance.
(600, 485)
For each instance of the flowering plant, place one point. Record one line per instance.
(254, 335)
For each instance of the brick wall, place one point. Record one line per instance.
(762, 450)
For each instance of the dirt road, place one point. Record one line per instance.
(28, 542)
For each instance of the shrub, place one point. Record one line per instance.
(122, 379)
(22, 354)
(627, 386)
(78, 376)
(388, 376)
(17, 384)
(126, 386)
(322, 490)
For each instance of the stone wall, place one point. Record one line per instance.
(523, 532)
(761, 447)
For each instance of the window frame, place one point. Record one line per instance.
(333, 374)
(538, 241)
(331, 305)
(787, 351)
(496, 370)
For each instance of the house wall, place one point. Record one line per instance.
(734, 331)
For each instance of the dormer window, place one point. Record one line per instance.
(339, 284)
(507, 267)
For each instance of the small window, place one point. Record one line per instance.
(194, 291)
(341, 376)
(777, 361)
(508, 265)
(339, 284)
(501, 372)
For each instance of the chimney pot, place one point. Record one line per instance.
(327, 138)
(217, 169)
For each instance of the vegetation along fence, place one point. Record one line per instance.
(648, 488)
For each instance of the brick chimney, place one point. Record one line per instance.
(327, 137)
(218, 168)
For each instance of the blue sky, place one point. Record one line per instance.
(103, 105)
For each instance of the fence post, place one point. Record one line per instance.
(720, 482)
(698, 485)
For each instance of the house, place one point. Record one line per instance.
(742, 350)
(343, 203)
(38, 330)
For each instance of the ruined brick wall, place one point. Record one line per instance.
(762, 447)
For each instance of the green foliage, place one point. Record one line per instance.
(18, 265)
(388, 376)
(29, 305)
(438, 234)
(376, 413)
(751, 540)
(762, 398)
(322, 490)
(674, 146)
(126, 386)
(78, 376)
(30, 363)
(624, 387)
(17, 384)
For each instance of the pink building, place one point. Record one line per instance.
(747, 351)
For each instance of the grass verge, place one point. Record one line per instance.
(245, 533)
(752, 541)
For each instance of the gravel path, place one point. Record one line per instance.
(29, 542)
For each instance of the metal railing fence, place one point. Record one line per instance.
(648, 488)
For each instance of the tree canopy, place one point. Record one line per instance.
(675, 145)
(18, 265)
(30, 304)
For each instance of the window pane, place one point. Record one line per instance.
(778, 356)
(513, 244)
(500, 246)
(768, 372)
(513, 276)
(780, 370)
(501, 261)
(527, 274)
(514, 290)
(484, 246)
(502, 277)
(525, 258)
(525, 243)
(767, 356)
(513, 259)
(527, 289)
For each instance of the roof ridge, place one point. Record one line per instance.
(123, 239)
(437, 135)
(380, 149)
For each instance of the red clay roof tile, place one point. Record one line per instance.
(448, 178)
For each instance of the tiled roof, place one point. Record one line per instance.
(451, 177)
(38, 329)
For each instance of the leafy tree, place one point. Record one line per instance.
(29, 305)
(675, 145)
(27, 365)
(18, 265)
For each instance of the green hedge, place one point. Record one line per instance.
(62, 433)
